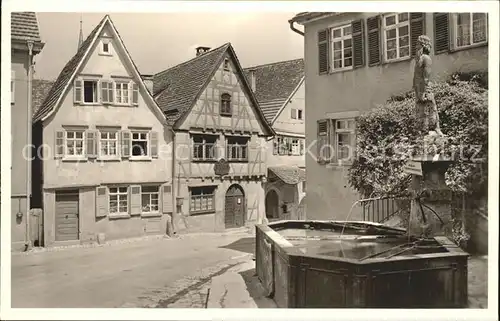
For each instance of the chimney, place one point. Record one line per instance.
(252, 79)
(201, 50)
(148, 81)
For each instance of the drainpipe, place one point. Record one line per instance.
(28, 133)
(295, 29)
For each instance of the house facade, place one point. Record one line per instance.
(279, 87)
(25, 45)
(102, 168)
(354, 61)
(219, 140)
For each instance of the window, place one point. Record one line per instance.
(344, 131)
(237, 148)
(341, 42)
(202, 200)
(226, 64)
(225, 104)
(90, 91)
(150, 199)
(296, 113)
(105, 47)
(12, 87)
(118, 200)
(204, 147)
(108, 143)
(106, 92)
(303, 186)
(288, 146)
(470, 29)
(140, 141)
(121, 92)
(396, 34)
(75, 143)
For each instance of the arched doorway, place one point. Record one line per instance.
(235, 207)
(272, 205)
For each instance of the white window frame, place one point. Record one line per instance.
(347, 129)
(140, 139)
(121, 193)
(239, 148)
(343, 37)
(104, 140)
(201, 197)
(74, 140)
(293, 113)
(102, 51)
(97, 97)
(295, 146)
(119, 92)
(204, 145)
(471, 30)
(152, 196)
(396, 27)
(300, 114)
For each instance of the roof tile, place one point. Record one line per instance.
(24, 26)
(275, 83)
(289, 174)
(41, 89)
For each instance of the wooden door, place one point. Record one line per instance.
(235, 207)
(67, 216)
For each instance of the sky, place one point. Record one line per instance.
(157, 41)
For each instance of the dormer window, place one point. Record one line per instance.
(225, 104)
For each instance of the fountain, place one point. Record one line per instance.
(343, 264)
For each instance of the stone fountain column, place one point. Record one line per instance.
(430, 211)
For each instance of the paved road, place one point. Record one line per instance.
(151, 273)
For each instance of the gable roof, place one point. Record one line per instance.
(177, 89)
(288, 174)
(70, 70)
(275, 83)
(304, 17)
(41, 89)
(24, 26)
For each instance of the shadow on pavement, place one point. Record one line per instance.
(256, 290)
(245, 244)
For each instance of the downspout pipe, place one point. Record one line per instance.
(174, 189)
(29, 123)
(295, 29)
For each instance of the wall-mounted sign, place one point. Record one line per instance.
(222, 167)
(413, 167)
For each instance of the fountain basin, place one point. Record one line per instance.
(329, 264)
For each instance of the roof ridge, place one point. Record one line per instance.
(227, 44)
(272, 63)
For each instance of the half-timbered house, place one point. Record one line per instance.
(101, 143)
(280, 90)
(219, 141)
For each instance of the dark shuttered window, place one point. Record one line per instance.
(323, 55)
(417, 28)
(358, 43)
(373, 27)
(441, 32)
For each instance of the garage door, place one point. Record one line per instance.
(67, 215)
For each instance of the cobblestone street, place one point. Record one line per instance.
(152, 273)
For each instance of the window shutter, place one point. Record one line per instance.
(358, 43)
(135, 94)
(12, 87)
(101, 201)
(293, 113)
(301, 146)
(78, 84)
(59, 144)
(91, 143)
(417, 28)
(323, 52)
(441, 32)
(275, 145)
(167, 206)
(323, 153)
(111, 92)
(126, 143)
(153, 138)
(373, 25)
(289, 142)
(135, 199)
(104, 92)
